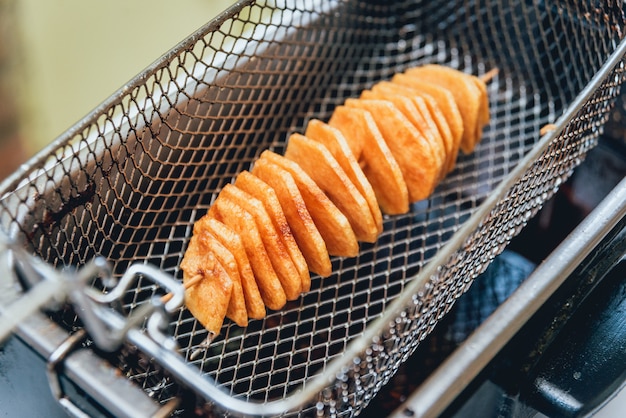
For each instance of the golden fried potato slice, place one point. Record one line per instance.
(237, 310)
(417, 113)
(234, 216)
(332, 224)
(427, 106)
(305, 232)
(465, 92)
(483, 99)
(452, 146)
(419, 166)
(378, 164)
(317, 161)
(231, 241)
(207, 300)
(281, 261)
(336, 143)
(445, 100)
(257, 188)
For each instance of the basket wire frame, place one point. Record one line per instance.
(128, 181)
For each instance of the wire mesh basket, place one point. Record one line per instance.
(128, 182)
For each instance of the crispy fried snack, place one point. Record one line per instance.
(332, 224)
(336, 143)
(305, 232)
(317, 161)
(415, 110)
(231, 241)
(285, 217)
(256, 187)
(466, 94)
(378, 163)
(236, 311)
(413, 153)
(236, 217)
(445, 100)
(280, 258)
(435, 113)
(209, 299)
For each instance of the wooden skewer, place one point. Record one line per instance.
(203, 346)
(189, 283)
(489, 75)
(547, 128)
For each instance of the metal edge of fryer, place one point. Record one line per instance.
(83, 368)
(458, 370)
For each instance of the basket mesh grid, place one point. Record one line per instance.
(128, 182)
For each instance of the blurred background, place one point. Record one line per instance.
(60, 58)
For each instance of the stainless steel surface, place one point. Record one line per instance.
(458, 371)
(25, 390)
(129, 180)
(89, 372)
(15, 307)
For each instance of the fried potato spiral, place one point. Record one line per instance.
(290, 213)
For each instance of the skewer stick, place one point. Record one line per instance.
(189, 283)
(202, 347)
(547, 128)
(489, 75)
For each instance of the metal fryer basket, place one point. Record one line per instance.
(128, 181)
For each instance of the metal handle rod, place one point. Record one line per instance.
(27, 304)
(449, 380)
(195, 380)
